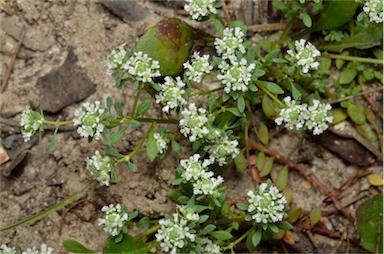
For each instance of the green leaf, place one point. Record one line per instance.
(366, 38)
(52, 147)
(241, 104)
(267, 167)
(143, 107)
(260, 161)
(152, 149)
(134, 124)
(250, 247)
(264, 135)
(203, 218)
(273, 228)
(307, 21)
(76, 247)
(169, 42)
(315, 216)
(284, 224)
(272, 87)
(240, 163)
(112, 151)
(109, 103)
(143, 222)
(242, 206)
(356, 114)
(175, 146)
(256, 237)
(295, 92)
(132, 166)
(221, 235)
(208, 229)
(118, 108)
(268, 106)
(347, 76)
(218, 25)
(333, 15)
(127, 245)
(368, 216)
(282, 178)
(234, 111)
(294, 214)
(268, 59)
(133, 215)
(116, 137)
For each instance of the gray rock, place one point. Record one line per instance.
(65, 86)
(127, 10)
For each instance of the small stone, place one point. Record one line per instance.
(65, 86)
(128, 11)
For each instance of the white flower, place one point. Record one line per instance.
(304, 55)
(200, 8)
(266, 205)
(236, 76)
(293, 115)
(171, 94)
(174, 234)
(101, 167)
(319, 115)
(90, 118)
(374, 9)
(208, 186)
(113, 218)
(116, 59)
(161, 142)
(220, 150)
(194, 169)
(188, 213)
(210, 247)
(194, 122)
(198, 67)
(31, 122)
(43, 250)
(230, 44)
(142, 67)
(4, 249)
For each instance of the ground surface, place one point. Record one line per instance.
(42, 179)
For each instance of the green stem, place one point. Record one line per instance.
(286, 31)
(137, 148)
(154, 120)
(230, 220)
(218, 111)
(58, 123)
(271, 95)
(136, 100)
(353, 58)
(146, 233)
(233, 244)
(206, 92)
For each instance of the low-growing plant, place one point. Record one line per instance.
(211, 98)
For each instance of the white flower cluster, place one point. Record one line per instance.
(142, 67)
(200, 8)
(267, 204)
(171, 94)
(230, 44)
(318, 115)
(221, 149)
(31, 122)
(236, 76)
(4, 249)
(302, 117)
(210, 248)
(188, 213)
(162, 142)
(113, 218)
(101, 167)
(198, 67)
(202, 180)
(174, 234)
(89, 118)
(374, 9)
(116, 59)
(194, 122)
(44, 249)
(304, 55)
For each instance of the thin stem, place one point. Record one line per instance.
(286, 31)
(353, 58)
(154, 120)
(271, 95)
(58, 123)
(137, 148)
(233, 244)
(136, 99)
(218, 111)
(146, 233)
(207, 92)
